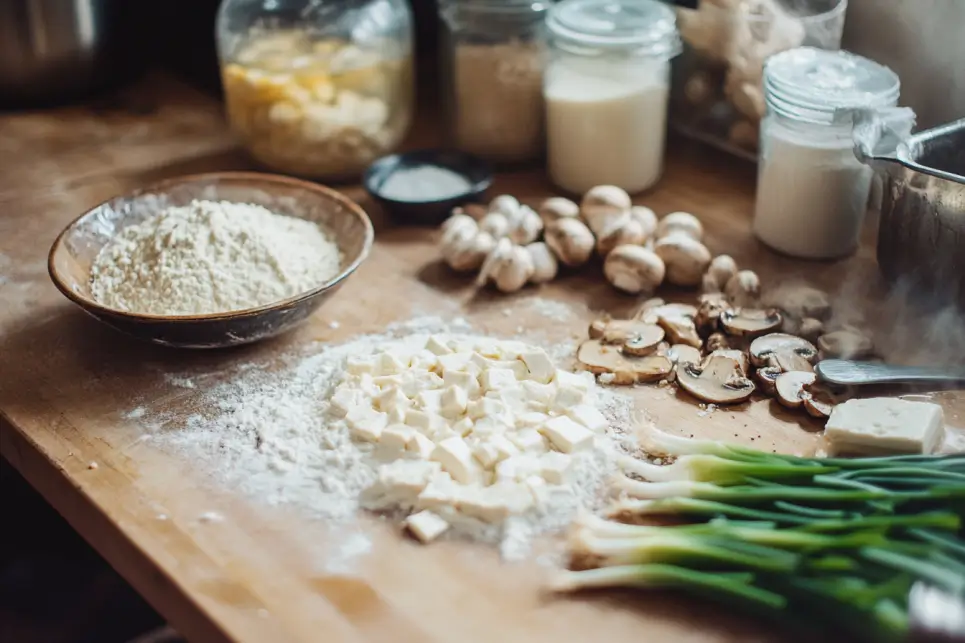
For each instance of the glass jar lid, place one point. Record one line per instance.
(814, 85)
(646, 25)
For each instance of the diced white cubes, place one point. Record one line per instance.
(885, 426)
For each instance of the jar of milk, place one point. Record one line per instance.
(812, 191)
(606, 86)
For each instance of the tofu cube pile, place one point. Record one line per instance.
(471, 426)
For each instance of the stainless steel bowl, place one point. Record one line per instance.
(51, 49)
(921, 237)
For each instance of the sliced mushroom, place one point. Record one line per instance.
(681, 354)
(719, 379)
(652, 313)
(750, 322)
(619, 331)
(716, 342)
(787, 352)
(677, 320)
(599, 358)
(647, 306)
(767, 378)
(847, 344)
(820, 399)
(707, 319)
(644, 342)
(739, 356)
(790, 388)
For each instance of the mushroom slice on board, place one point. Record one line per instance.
(719, 380)
(707, 319)
(767, 379)
(819, 400)
(787, 352)
(681, 354)
(618, 331)
(644, 342)
(599, 358)
(734, 354)
(750, 322)
(716, 342)
(790, 388)
(847, 343)
(678, 322)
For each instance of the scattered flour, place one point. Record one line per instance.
(264, 433)
(211, 257)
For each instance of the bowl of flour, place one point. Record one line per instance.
(211, 260)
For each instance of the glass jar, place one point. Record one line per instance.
(606, 86)
(317, 89)
(812, 191)
(492, 77)
(718, 91)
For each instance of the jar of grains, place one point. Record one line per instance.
(492, 73)
(606, 87)
(314, 88)
(812, 191)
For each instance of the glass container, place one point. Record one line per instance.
(492, 77)
(318, 89)
(812, 191)
(606, 88)
(718, 90)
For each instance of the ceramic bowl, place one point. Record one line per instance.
(78, 245)
(428, 212)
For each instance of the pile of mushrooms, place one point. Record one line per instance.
(727, 346)
(511, 245)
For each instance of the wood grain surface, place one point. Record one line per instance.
(261, 573)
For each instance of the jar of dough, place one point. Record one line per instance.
(606, 86)
(492, 75)
(812, 191)
(317, 88)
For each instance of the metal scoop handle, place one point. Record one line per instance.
(853, 373)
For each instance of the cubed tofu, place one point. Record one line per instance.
(488, 426)
(539, 365)
(426, 423)
(538, 396)
(566, 398)
(589, 416)
(366, 423)
(437, 346)
(453, 402)
(441, 491)
(460, 379)
(504, 447)
(399, 483)
(392, 398)
(529, 440)
(486, 454)
(430, 401)
(390, 364)
(495, 503)
(456, 362)
(345, 399)
(359, 365)
(421, 446)
(488, 407)
(885, 426)
(531, 419)
(553, 466)
(494, 379)
(456, 459)
(396, 437)
(566, 435)
(513, 397)
(518, 467)
(426, 526)
(580, 380)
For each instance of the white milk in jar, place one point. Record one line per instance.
(812, 191)
(606, 88)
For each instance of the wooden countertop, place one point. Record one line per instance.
(263, 573)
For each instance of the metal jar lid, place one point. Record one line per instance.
(641, 26)
(813, 85)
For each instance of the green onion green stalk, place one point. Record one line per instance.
(796, 540)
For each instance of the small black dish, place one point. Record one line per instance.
(431, 211)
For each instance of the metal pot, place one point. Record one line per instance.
(921, 236)
(51, 49)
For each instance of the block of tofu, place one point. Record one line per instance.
(393, 398)
(461, 379)
(457, 362)
(390, 363)
(516, 366)
(366, 423)
(494, 379)
(399, 483)
(531, 419)
(359, 365)
(437, 346)
(453, 402)
(486, 454)
(421, 446)
(529, 440)
(456, 459)
(589, 416)
(426, 423)
(538, 396)
(580, 380)
(553, 466)
(488, 407)
(426, 526)
(497, 502)
(504, 447)
(883, 425)
(566, 398)
(396, 437)
(567, 435)
(430, 401)
(540, 365)
(441, 491)
(344, 399)
(518, 467)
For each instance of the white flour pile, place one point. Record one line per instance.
(267, 434)
(212, 257)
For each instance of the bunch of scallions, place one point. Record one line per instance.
(833, 541)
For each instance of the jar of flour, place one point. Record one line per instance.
(812, 191)
(606, 86)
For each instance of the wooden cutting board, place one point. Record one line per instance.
(222, 566)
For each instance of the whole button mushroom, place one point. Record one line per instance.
(570, 240)
(558, 207)
(602, 204)
(685, 257)
(634, 269)
(682, 222)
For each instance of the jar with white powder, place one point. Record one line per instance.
(606, 87)
(492, 77)
(812, 191)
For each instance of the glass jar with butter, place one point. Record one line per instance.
(318, 89)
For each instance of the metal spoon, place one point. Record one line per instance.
(850, 372)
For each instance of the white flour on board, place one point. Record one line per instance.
(263, 433)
